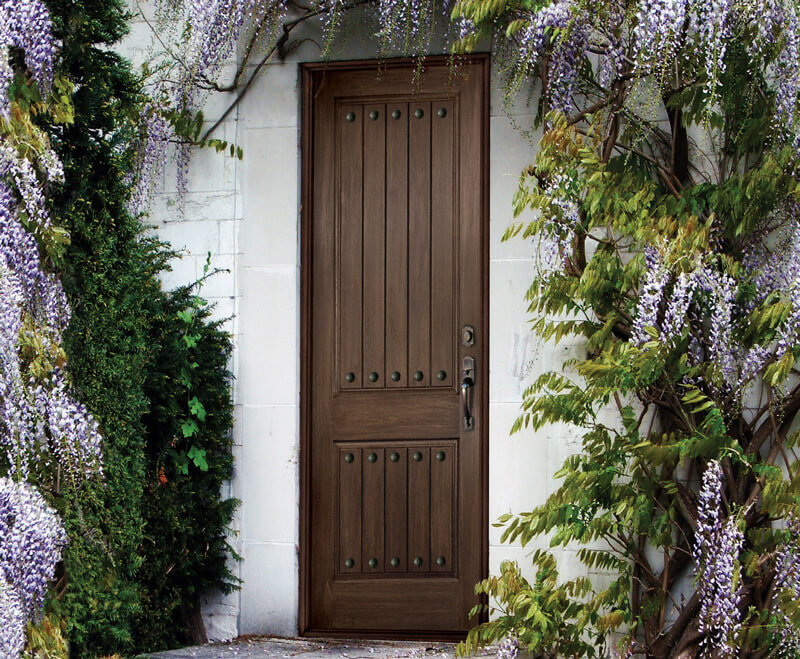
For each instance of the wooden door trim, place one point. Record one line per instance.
(306, 311)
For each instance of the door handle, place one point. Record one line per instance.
(467, 388)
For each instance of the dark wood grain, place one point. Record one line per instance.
(351, 237)
(374, 523)
(443, 498)
(443, 303)
(419, 509)
(397, 244)
(419, 244)
(374, 244)
(396, 508)
(350, 515)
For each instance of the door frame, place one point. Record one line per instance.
(306, 312)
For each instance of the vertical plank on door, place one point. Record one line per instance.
(373, 528)
(350, 245)
(419, 244)
(350, 479)
(443, 463)
(396, 509)
(443, 331)
(396, 367)
(374, 243)
(419, 508)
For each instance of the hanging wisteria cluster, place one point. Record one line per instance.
(40, 419)
(47, 436)
(212, 31)
(673, 305)
(787, 584)
(718, 543)
(560, 35)
(25, 25)
(32, 539)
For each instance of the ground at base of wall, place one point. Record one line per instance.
(270, 646)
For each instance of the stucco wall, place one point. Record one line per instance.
(247, 215)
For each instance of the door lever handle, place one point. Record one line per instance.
(467, 387)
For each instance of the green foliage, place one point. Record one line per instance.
(188, 126)
(117, 596)
(47, 640)
(651, 415)
(185, 545)
(543, 614)
(109, 274)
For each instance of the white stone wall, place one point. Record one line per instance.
(247, 215)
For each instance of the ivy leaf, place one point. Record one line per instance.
(181, 461)
(191, 340)
(196, 408)
(198, 457)
(189, 428)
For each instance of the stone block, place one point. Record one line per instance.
(269, 347)
(269, 596)
(274, 98)
(270, 233)
(513, 348)
(516, 480)
(270, 469)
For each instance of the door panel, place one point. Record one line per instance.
(394, 530)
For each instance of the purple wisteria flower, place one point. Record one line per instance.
(787, 580)
(710, 20)
(562, 219)
(36, 419)
(151, 157)
(41, 423)
(214, 28)
(509, 647)
(778, 22)
(405, 24)
(651, 296)
(659, 24)
(13, 623)
(72, 433)
(678, 306)
(667, 303)
(25, 24)
(718, 542)
(31, 539)
(560, 31)
(776, 268)
(720, 291)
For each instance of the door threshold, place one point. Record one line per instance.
(372, 635)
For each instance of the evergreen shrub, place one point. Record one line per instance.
(140, 553)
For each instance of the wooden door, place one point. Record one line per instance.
(394, 486)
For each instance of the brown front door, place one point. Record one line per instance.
(394, 533)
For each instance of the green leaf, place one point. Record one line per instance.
(189, 428)
(196, 408)
(198, 457)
